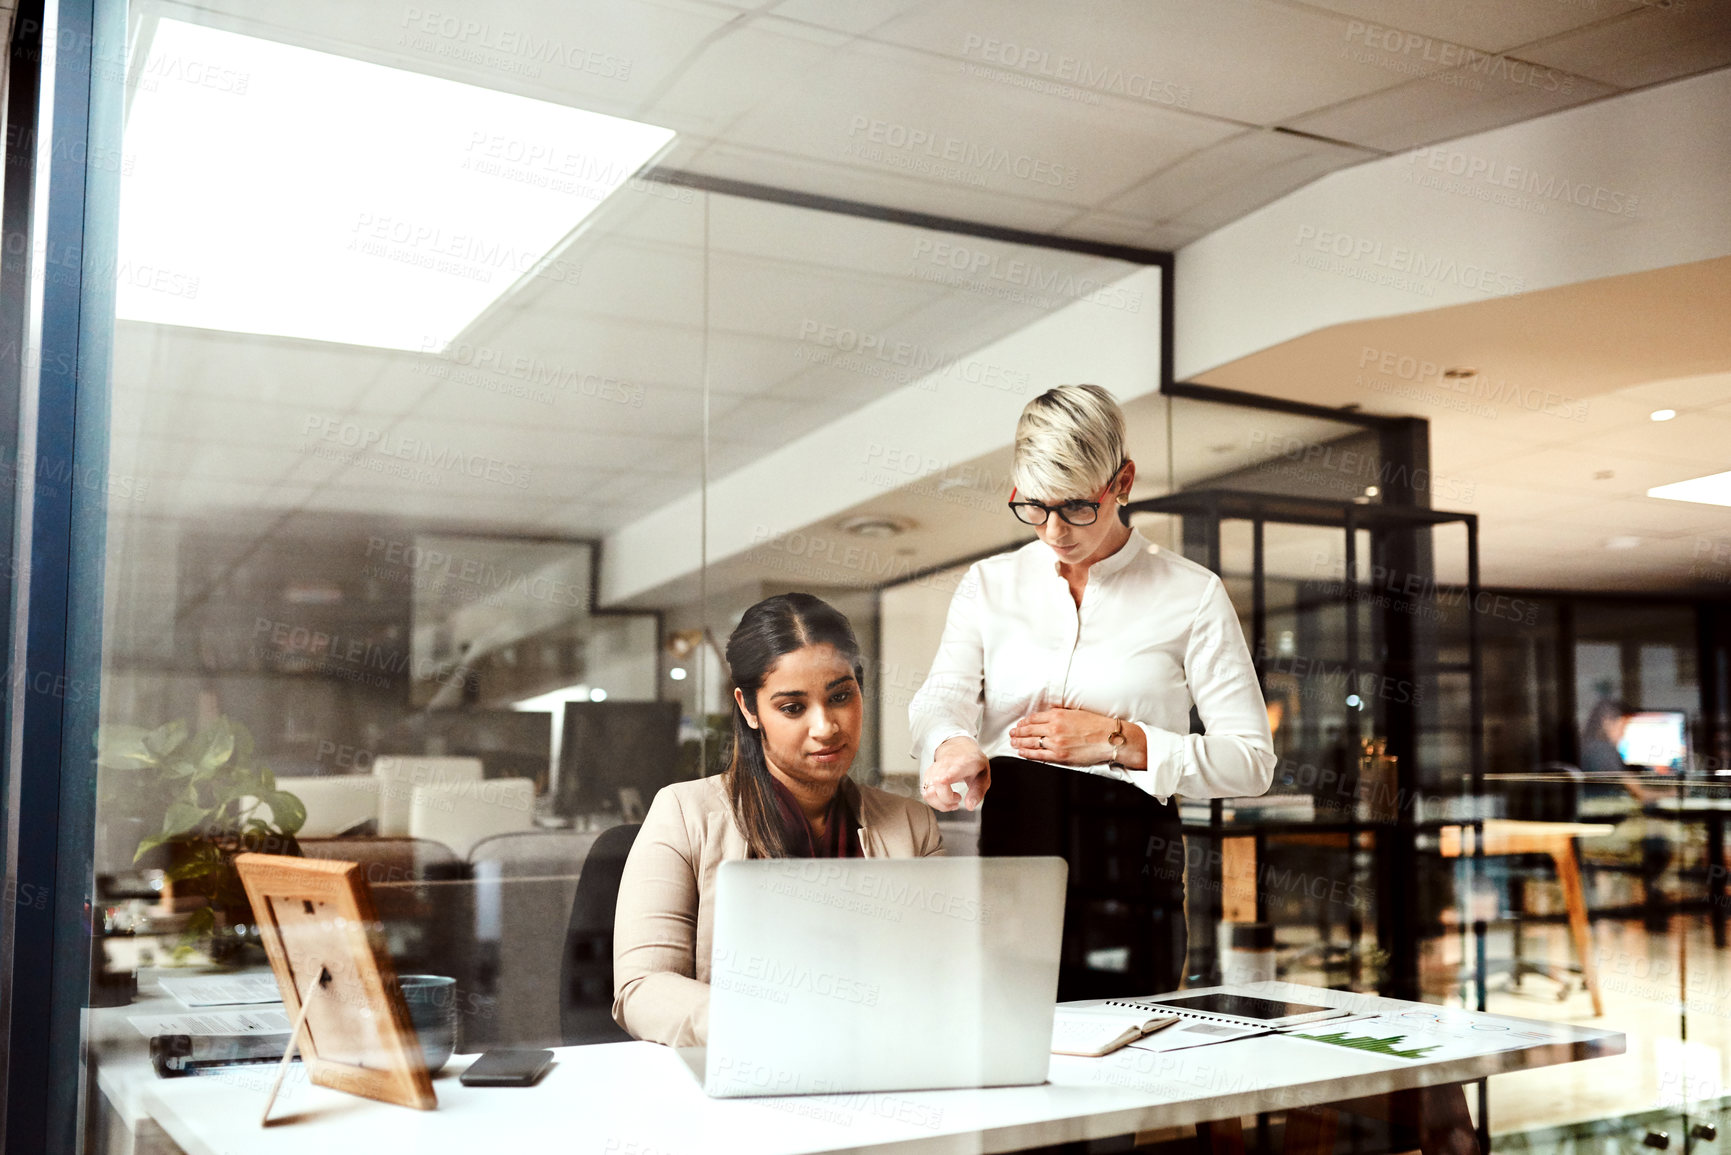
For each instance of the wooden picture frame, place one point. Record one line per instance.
(317, 922)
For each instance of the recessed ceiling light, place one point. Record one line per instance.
(312, 195)
(1662, 414)
(875, 525)
(1458, 373)
(1714, 489)
(1623, 543)
(677, 673)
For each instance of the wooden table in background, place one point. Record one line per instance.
(1502, 836)
(1557, 839)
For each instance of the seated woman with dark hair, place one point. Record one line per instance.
(798, 680)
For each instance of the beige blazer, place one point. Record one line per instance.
(665, 921)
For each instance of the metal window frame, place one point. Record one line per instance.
(61, 211)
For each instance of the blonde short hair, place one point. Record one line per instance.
(1069, 444)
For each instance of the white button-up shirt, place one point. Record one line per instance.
(1155, 633)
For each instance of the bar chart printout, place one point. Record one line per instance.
(1433, 1035)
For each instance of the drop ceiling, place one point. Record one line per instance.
(698, 312)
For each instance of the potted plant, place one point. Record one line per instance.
(214, 804)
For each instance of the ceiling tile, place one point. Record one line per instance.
(1655, 43)
(823, 177)
(1225, 181)
(1648, 518)
(1682, 393)
(882, 110)
(1489, 25)
(1700, 441)
(1490, 93)
(739, 70)
(1568, 470)
(1246, 61)
(1459, 444)
(1546, 555)
(850, 16)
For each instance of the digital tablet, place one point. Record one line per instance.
(1245, 1009)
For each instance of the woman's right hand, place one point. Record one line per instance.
(958, 759)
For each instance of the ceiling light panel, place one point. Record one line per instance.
(1714, 489)
(271, 189)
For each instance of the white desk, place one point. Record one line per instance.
(641, 1099)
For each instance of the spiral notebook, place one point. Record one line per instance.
(1226, 1008)
(1202, 1018)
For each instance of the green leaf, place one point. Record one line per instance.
(147, 844)
(203, 921)
(239, 783)
(182, 818)
(197, 868)
(289, 812)
(123, 748)
(243, 745)
(166, 738)
(215, 745)
(206, 750)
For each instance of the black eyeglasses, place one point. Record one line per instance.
(1072, 512)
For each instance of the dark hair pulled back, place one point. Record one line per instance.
(771, 629)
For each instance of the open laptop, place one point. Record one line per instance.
(869, 974)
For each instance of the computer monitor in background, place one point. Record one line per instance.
(1655, 738)
(607, 747)
(509, 743)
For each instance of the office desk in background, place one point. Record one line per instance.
(642, 1099)
(1711, 810)
(1671, 799)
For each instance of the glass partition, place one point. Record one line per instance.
(439, 528)
(468, 388)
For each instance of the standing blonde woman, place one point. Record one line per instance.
(1064, 684)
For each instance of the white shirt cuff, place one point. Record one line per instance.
(1166, 754)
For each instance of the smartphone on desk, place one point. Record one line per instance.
(506, 1067)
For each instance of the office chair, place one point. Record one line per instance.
(1554, 798)
(586, 982)
(524, 886)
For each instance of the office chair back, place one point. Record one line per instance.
(586, 983)
(524, 885)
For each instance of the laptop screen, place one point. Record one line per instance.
(1657, 738)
